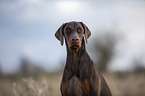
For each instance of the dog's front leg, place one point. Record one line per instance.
(90, 80)
(63, 88)
(86, 87)
(65, 82)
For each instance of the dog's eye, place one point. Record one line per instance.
(68, 30)
(79, 30)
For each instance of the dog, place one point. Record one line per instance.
(80, 76)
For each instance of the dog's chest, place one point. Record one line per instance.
(74, 86)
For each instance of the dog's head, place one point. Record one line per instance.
(73, 32)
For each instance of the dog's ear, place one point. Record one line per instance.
(87, 32)
(59, 33)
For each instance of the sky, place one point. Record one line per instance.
(27, 29)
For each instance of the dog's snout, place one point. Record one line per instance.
(74, 39)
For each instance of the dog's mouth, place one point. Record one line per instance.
(74, 46)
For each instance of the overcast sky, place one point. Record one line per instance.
(27, 28)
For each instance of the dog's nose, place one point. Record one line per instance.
(74, 39)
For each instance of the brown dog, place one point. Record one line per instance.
(80, 77)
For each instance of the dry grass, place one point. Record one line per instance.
(42, 87)
(48, 85)
(5, 88)
(127, 84)
(29, 87)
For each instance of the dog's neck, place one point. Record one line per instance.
(74, 59)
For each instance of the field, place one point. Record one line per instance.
(120, 83)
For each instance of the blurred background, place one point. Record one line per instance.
(32, 59)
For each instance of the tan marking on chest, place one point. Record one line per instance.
(86, 87)
(64, 87)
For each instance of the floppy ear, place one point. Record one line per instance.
(87, 32)
(59, 33)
